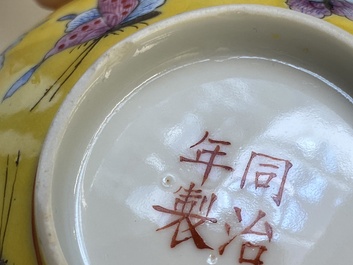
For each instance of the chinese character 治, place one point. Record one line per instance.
(266, 231)
(246, 253)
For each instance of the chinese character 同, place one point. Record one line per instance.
(263, 169)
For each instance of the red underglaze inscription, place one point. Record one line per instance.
(193, 204)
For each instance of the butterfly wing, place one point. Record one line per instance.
(67, 17)
(145, 7)
(83, 33)
(94, 23)
(91, 25)
(309, 7)
(88, 31)
(342, 8)
(115, 11)
(78, 20)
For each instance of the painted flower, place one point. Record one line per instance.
(323, 8)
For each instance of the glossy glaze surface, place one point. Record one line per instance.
(272, 124)
(27, 110)
(132, 166)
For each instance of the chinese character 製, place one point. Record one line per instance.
(187, 207)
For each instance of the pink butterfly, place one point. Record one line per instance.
(109, 16)
(323, 8)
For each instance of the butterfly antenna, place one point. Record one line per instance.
(83, 54)
(87, 51)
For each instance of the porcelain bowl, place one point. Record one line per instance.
(218, 136)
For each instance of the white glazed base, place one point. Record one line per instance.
(259, 106)
(107, 183)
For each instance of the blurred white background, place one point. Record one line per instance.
(17, 17)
